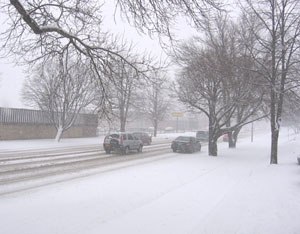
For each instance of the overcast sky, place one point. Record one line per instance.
(12, 77)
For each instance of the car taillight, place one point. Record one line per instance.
(105, 138)
(188, 144)
(121, 140)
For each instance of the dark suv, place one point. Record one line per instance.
(122, 143)
(144, 137)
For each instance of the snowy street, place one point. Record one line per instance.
(26, 169)
(150, 117)
(236, 192)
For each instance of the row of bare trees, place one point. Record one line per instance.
(217, 79)
(276, 27)
(74, 64)
(65, 88)
(242, 71)
(260, 55)
(40, 32)
(134, 96)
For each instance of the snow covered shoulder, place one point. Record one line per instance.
(236, 192)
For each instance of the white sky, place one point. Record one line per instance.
(11, 82)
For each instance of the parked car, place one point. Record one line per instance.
(186, 144)
(144, 137)
(202, 135)
(122, 143)
(225, 138)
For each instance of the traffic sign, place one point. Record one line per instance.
(177, 114)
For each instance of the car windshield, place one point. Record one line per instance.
(182, 138)
(116, 136)
(201, 133)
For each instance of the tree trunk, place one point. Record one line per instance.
(122, 129)
(212, 148)
(232, 144)
(212, 140)
(231, 141)
(122, 124)
(274, 127)
(274, 144)
(59, 133)
(155, 127)
(234, 138)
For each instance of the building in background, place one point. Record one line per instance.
(18, 124)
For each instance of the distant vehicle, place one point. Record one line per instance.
(202, 135)
(169, 129)
(122, 143)
(186, 144)
(144, 137)
(225, 138)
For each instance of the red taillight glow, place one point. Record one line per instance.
(121, 139)
(188, 144)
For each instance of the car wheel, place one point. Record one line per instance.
(125, 150)
(174, 150)
(140, 149)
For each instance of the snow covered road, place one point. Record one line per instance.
(236, 192)
(21, 170)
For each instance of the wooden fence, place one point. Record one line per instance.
(27, 124)
(25, 116)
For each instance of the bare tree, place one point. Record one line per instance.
(159, 16)
(39, 30)
(62, 88)
(154, 99)
(124, 81)
(213, 81)
(277, 32)
(42, 29)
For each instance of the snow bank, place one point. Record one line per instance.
(237, 192)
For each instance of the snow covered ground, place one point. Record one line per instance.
(237, 192)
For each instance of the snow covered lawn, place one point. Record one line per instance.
(237, 192)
